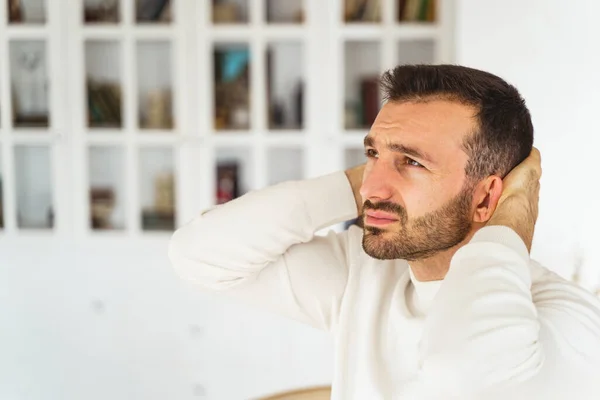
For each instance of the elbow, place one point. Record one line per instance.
(192, 263)
(179, 257)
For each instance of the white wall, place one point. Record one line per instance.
(549, 50)
(111, 321)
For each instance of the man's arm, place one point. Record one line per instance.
(261, 248)
(491, 334)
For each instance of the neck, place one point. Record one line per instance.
(436, 267)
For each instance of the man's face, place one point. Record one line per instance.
(417, 199)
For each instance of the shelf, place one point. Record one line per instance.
(151, 32)
(26, 32)
(244, 32)
(367, 32)
(26, 136)
(103, 32)
(272, 139)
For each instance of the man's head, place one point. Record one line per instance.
(437, 153)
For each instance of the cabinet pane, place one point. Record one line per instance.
(103, 75)
(416, 51)
(29, 78)
(285, 85)
(153, 11)
(354, 157)
(362, 94)
(33, 187)
(230, 11)
(289, 11)
(233, 173)
(101, 11)
(362, 11)
(284, 164)
(157, 191)
(107, 187)
(232, 86)
(26, 11)
(155, 85)
(417, 10)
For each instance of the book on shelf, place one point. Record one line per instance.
(153, 10)
(362, 11)
(369, 91)
(417, 10)
(104, 104)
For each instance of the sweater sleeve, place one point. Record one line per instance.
(261, 248)
(493, 334)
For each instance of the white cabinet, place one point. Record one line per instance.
(125, 118)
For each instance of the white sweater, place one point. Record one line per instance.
(498, 326)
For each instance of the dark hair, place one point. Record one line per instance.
(504, 136)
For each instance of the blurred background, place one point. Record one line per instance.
(121, 119)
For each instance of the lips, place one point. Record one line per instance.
(379, 218)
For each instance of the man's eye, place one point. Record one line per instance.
(370, 153)
(413, 163)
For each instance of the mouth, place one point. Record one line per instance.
(379, 218)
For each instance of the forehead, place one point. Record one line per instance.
(437, 127)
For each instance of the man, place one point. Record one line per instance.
(436, 296)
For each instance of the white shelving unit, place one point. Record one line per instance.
(156, 120)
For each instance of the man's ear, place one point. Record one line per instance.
(486, 196)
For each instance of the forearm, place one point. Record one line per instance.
(237, 239)
(516, 214)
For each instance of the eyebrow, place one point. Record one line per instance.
(400, 148)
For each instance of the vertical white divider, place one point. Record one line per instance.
(258, 96)
(205, 151)
(130, 118)
(186, 103)
(8, 173)
(388, 46)
(60, 149)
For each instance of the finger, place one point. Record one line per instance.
(535, 159)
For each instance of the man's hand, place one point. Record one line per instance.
(355, 176)
(518, 204)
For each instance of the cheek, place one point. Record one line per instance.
(421, 196)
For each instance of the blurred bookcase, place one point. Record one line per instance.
(125, 118)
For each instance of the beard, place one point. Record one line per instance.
(422, 237)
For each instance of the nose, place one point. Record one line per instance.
(376, 182)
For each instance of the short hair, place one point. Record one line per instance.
(504, 137)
